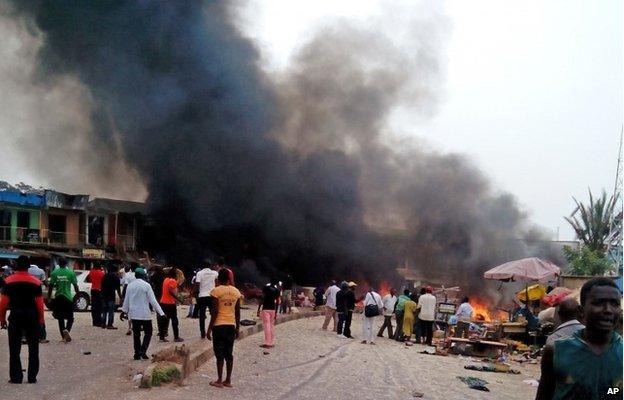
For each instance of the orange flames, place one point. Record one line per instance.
(483, 311)
(384, 288)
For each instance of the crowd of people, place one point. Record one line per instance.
(582, 354)
(140, 295)
(414, 313)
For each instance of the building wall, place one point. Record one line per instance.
(33, 221)
(72, 226)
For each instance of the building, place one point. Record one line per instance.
(114, 224)
(20, 216)
(53, 221)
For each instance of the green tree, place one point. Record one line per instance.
(592, 223)
(587, 262)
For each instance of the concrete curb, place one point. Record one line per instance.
(198, 357)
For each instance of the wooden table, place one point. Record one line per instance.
(514, 327)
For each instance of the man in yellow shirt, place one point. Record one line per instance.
(224, 325)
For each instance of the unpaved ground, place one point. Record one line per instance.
(307, 363)
(67, 373)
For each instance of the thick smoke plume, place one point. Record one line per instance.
(290, 171)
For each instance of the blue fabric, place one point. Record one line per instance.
(618, 282)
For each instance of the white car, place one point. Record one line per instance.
(83, 300)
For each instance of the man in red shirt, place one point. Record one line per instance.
(23, 297)
(95, 277)
(168, 304)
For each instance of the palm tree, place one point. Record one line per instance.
(594, 225)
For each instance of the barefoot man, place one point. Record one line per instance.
(224, 324)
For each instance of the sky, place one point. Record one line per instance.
(532, 93)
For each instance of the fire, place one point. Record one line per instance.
(384, 288)
(483, 311)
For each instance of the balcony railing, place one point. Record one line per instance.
(11, 234)
(19, 235)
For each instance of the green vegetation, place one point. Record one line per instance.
(587, 262)
(165, 375)
(592, 224)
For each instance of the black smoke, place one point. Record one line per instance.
(289, 171)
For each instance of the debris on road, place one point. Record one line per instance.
(492, 368)
(474, 383)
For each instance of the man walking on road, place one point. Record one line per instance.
(330, 305)
(110, 285)
(168, 304)
(588, 365)
(95, 277)
(427, 305)
(371, 299)
(268, 304)
(23, 297)
(224, 325)
(62, 280)
(204, 283)
(139, 297)
(389, 301)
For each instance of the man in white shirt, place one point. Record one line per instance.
(371, 298)
(40, 274)
(129, 277)
(427, 306)
(464, 316)
(204, 283)
(389, 301)
(330, 305)
(139, 296)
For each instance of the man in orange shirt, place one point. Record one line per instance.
(224, 325)
(168, 304)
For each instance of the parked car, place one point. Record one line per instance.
(83, 300)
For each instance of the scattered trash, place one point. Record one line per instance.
(433, 351)
(137, 379)
(531, 382)
(266, 353)
(247, 322)
(417, 394)
(321, 355)
(474, 383)
(205, 376)
(86, 353)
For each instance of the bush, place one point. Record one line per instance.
(165, 375)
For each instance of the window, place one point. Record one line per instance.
(57, 225)
(5, 225)
(23, 219)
